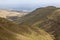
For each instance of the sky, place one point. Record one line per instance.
(27, 4)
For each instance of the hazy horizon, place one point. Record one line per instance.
(27, 4)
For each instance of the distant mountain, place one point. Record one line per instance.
(12, 31)
(47, 18)
(11, 13)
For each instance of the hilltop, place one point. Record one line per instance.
(36, 15)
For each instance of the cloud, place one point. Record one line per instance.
(28, 1)
(30, 4)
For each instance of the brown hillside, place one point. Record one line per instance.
(52, 24)
(12, 31)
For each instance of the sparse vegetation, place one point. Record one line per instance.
(12, 31)
(41, 24)
(45, 18)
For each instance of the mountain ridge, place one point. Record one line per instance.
(46, 18)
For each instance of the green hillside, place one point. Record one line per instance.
(47, 18)
(12, 31)
(52, 24)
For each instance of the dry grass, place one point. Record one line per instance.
(12, 31)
